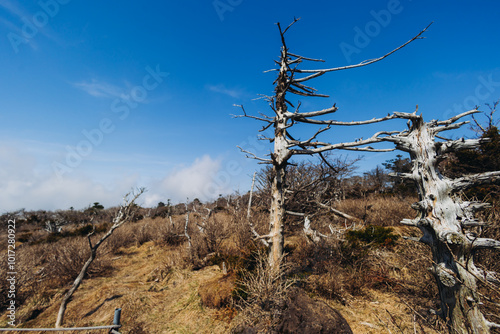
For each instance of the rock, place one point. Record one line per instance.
(308, 316)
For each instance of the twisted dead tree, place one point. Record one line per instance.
(291, 79)
(448, 223)
(125, 213)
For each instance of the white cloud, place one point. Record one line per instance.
(222, 89)
(21, 16)
(27, 181)
(13, 9)
(199, 180)
(100, 89)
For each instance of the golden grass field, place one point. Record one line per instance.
(157, 282)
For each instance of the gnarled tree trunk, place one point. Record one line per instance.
(279, 160)
(446, 221)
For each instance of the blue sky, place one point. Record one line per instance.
(99, 97)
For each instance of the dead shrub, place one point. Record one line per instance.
(306, 315)
(217, 292)
(216, 230)
(168, 234)
(65, 259)
(264, 285)
(338, 283)
(378, 210)
(328, 285)
(121, 238)
(26, 278)
(142, 234)
(337, 269)
(261, 292)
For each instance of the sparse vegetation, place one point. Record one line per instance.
(366, 270)
(149, 259)
(375, 235)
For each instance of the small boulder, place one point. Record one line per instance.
(308, 316)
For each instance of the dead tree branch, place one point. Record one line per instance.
(124, 214)
(285, 147)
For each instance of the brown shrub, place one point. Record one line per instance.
(217, 292)
(379, 210)
(264, 286)
(65, 259)
(42, 266)
(168, 234)
(300, 314)
(143, 233)
(121, 238)
(217, 229)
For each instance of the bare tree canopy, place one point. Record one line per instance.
(291, 79)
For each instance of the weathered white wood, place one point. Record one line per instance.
(475, 179)
(317, 73)
(484, 243)
(340, 213)
(444, 220)
(309, 232)
(460, 144)
(186, 234)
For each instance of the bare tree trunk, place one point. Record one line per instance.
(249, 208)
(450, 251)
(446, 221)
(186, 234)
(277, 216)
(279, 159)
(74, 287)
(123, 216)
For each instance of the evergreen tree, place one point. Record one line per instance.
(486, 158)
(396, 167)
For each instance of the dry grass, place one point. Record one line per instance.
(156, 294)
(378, 210)
(218, 291)
(146, 269)
(349, 273)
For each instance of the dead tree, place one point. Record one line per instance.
(186, 234)
(125, 213)
(447, 223)
(291, 79)
(249, 215)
